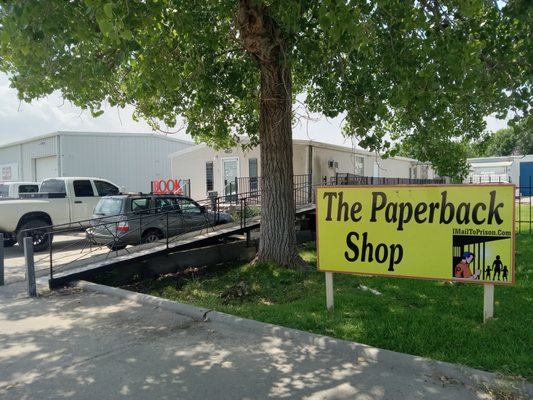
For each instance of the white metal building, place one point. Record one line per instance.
(212, 170)
(505, 169)
(128, 159)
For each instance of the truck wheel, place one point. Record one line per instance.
(9, 242)
(39, 233)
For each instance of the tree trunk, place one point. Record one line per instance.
(262, 37)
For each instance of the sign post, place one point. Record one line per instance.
(329, 291)
(30, 266)
(1, 259)
(488, 302)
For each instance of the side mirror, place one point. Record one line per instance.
(202, 209)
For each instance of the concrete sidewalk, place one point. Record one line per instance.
(95, 342)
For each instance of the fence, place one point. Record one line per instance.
(99, 238)
(304, 193)
(351, 179)
(249, 188)
(524, 209)
(488, 178)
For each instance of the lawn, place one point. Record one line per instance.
(432, 319)
(524, 218)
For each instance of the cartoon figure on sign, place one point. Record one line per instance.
(497, 267)
(487, 272)
(462, 269)
(505, 272)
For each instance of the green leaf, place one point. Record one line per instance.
(108, 10)
(106, 26)
(126, 34)
(96, 113)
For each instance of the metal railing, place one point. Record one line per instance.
(351, 179)
(112, 238)
(488, 178)
(524, 208)
(247, 204)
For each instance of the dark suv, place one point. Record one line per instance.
(142, 218)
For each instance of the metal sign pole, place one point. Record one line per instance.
(1, 259)
(329, 290)
(488, 302)
(30, 266)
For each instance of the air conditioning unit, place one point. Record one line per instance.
(333, 164)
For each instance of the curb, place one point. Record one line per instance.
(447, 372)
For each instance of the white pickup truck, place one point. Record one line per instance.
(67, 201)
(13, 190)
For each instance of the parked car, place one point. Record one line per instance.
(143, 218)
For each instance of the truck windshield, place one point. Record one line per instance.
(53, 186)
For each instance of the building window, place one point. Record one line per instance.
(252, 169)
(359, 166)
(209, 176)
(413, 171)
(424, 172)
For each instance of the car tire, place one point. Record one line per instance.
(9, 242)
(39, 233)
(150, 236)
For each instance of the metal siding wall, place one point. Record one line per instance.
(394, 168)
(10, 156)
(300, 159)
(132, 162)
(88, 156)
(46, 147)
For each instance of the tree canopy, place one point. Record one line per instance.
(421, 72)
(514, 140)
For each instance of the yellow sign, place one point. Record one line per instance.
(444, 232)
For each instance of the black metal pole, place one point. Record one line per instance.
(50, 253)
(1, 259)
(30, 266)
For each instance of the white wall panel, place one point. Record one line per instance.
(11, 162)
(132, 161)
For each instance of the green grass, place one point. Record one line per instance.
(524, 218)
(425, 318)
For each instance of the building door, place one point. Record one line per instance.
(526, 178)
(230, 168)
(45, 167)
(375, 170)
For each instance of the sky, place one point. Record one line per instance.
(20, 120)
